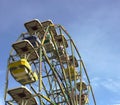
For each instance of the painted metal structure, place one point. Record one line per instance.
(45, 68)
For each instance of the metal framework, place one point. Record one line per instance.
(45, 68)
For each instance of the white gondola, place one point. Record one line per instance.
(34, 40)
(51, 27)
(48, 44)
(25, 49)
(35, 27)
(22, 96)
(49, 47)
(61, 40)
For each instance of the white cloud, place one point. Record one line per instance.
(111, 84)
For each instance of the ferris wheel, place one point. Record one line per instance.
(45, 68)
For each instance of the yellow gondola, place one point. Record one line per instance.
(21, 71)
(71, 71)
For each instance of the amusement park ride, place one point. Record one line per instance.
(45, 68)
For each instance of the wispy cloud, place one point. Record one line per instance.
(110, 84)
(106, 89)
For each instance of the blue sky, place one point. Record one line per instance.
(94, 25)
